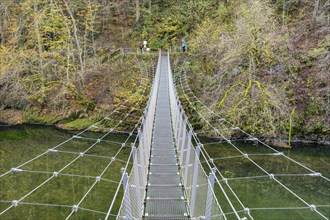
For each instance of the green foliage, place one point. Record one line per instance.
(170, 21)
(53, 30)
(313, 106)
(252, 106)
(286, 6)
(255, 68)
(78, 124)
(42, 68)
(233, 48)
(35, 116)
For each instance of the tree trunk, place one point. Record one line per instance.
(2, 33)
(283, 13)
(149, 9)
(316, 9)
(69, 43)
(40, 49)
(3, 12)
(137, 8)
(75, 34)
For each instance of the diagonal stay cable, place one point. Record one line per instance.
(145, 113)
(245, 155)
(240, 155)
(87, 129)
(15, 202)
(69, 174)
(53, 205)
(89, 155)
(206, 158)
(196, 139)
(104, 170)
(121, 181)
(311, 206)
(251, 136)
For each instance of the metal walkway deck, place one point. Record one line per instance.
(165, 199)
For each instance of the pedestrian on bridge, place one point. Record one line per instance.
(141, 48)
(184, 45)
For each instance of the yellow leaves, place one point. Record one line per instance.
(89, 16)
(251, 105)
(26, 5)
(248, 88)
(207, 33)
(236, 97)
(3, 49)
(220, 105)
(258, 84)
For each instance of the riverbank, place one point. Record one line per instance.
(21, 143)
(13, 117)
(17, 120)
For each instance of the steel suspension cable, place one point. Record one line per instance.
(15, 202)
(85, 130)
(311, 206)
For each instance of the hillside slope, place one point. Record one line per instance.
(263, 64)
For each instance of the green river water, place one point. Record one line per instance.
(265, 198)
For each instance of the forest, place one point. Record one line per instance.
(262, 64)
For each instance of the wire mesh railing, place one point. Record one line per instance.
(39, 186)
(201, 178)
(277, 177)
(134, 185)
(198, 186)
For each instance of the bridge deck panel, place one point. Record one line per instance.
(165, 198)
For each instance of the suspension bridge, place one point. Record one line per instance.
(161, 169)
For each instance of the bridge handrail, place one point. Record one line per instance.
(272, 176)
(134, 185)
(199, 187)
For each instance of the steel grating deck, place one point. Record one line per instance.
(165, 199)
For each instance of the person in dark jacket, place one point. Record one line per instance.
(184, 45)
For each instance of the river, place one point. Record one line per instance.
(264, 197)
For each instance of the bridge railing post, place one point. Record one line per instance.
(132, 205)
(194, 181)
(182, 144)
(176, 122)
(178, 125)
(127, 199)
(141, 153)
(186, 169)
(209, 199)
(178, 133)
(137, 180)
(145, 143)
